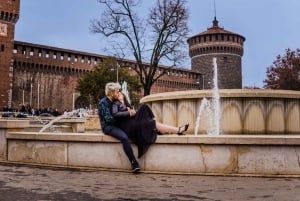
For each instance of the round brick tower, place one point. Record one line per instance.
(224, 45)
(9, 15)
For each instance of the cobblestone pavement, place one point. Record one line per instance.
(33, 183)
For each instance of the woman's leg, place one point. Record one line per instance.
(122, 136)
(163, 128)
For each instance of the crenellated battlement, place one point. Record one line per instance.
(9, 17)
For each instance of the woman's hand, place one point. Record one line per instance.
(132, 112)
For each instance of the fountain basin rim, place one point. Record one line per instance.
(230, 93)
(164, 139)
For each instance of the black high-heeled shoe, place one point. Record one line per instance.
(182, 129)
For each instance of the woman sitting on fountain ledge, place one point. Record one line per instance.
(107, 122)
(140, 126)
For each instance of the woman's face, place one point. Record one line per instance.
(121, 97)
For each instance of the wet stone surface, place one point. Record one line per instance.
(32, 183)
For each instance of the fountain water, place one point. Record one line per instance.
(216, 100)
(75, 113)
(39, 120)
(125, 91)
(211, 108)
(205, 104)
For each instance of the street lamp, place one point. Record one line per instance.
(118, 65)
(30, 91)
(38, 95)
(202, 81)
(23, 91)
(117, 69)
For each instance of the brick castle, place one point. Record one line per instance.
(46, 77)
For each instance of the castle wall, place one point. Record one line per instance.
(46, 77)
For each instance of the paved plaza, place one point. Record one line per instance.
(32, 183)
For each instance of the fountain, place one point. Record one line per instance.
(229, 111)
(259, 136)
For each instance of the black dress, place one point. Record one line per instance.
(140, 129)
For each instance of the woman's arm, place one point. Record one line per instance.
(119, 111)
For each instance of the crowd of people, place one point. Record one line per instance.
(29, 111)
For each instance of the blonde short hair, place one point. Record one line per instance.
(111, 87)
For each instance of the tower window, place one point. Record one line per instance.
(225, 59)
(15, 50)
(24, 50)
(2, 48)
(47, 54)
(54, 55)
(61, 56)
(40, 53)
(31, 52)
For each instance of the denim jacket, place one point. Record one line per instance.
(105, 115)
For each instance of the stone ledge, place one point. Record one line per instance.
(246, 139)
(165, 139)
(217, 155)
(12, 123)
(58, 136)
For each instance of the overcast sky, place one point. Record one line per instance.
(269, 26)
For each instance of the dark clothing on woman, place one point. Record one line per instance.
(108, 126)
(140, 129)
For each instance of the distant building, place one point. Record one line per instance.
(48, 76)
(41, 76)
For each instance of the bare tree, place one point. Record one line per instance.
(167, 25)
(285, 72)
